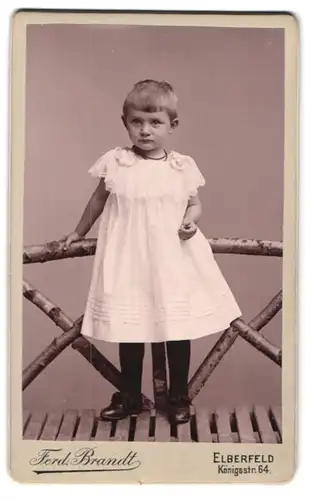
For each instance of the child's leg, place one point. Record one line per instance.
(129, 400)
(178, 355)
(131, 357)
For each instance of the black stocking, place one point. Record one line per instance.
(178, 355)
(131, 362)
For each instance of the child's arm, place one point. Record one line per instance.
(193, 212)
(92, 211)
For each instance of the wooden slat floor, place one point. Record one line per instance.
(240, 425)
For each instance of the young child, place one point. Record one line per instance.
(154, 276)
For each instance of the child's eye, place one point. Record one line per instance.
(156, 122)
(135, 121)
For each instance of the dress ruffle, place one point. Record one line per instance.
(113, 166)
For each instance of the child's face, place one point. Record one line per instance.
(149, 131)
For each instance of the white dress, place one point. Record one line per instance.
(148, 285)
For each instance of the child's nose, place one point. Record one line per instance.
(145, 129)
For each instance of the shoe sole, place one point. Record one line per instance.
(114, 419)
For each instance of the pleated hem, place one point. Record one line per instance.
(191, 329)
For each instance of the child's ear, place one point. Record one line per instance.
(174, 124)
(124, 121)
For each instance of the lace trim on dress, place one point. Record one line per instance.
(113, 164)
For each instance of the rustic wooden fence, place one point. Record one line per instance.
(256, 424)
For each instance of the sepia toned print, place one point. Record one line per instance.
(168, 287)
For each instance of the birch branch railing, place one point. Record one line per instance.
(71, 335)
(53, 250)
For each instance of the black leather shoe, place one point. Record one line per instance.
(122, 405)
(179, 410)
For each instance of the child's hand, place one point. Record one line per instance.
(68, 240)
(187, 230)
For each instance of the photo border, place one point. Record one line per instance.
(195, 462)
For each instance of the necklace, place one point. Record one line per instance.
(164, 157)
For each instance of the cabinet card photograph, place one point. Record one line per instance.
(153, 247)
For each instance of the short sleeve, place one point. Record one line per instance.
(102, 165)
(105, 167)
(194, 177)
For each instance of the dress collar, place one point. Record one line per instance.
(127, 158)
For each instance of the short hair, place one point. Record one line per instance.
(151, 96)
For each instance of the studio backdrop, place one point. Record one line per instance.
(230, 86)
